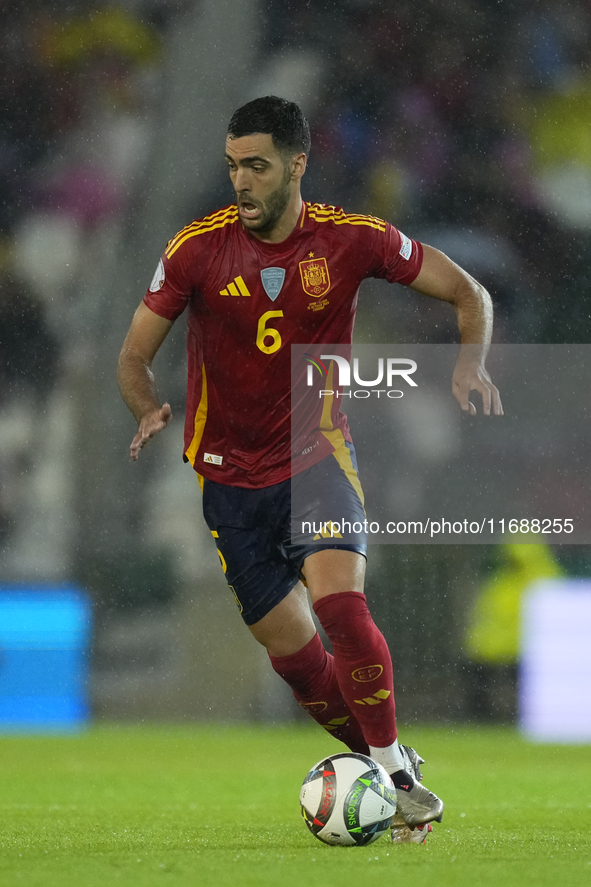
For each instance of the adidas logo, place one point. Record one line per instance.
(375, 699)
(236, 288)
(328, 531)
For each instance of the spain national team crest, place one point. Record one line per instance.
(315, 277)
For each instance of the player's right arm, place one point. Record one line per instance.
(146, 334)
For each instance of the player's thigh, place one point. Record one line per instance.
(244, 524)
(333, 570)
(329, 536)
(288, 626)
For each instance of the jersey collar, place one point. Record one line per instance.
(297, 231)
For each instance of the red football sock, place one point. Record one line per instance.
(311, 675)
(362, 663)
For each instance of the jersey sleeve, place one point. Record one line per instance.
(396, 257)
(172, 285)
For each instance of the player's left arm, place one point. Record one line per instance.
(441, 278)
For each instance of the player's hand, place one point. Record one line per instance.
(149, 426)
(473, 376)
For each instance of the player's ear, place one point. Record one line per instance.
(298, 166)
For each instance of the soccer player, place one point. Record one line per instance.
(269, 271)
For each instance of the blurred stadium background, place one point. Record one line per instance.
(464, 123)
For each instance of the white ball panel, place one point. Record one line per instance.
(310, 795)
(375, 808)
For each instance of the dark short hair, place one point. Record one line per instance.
(281, 119)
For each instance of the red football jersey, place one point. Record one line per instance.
(249, 301)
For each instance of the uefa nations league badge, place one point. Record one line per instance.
(273, 281)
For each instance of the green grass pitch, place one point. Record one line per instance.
(205, 805)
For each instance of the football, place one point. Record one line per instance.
(348, 799)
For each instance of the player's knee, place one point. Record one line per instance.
(284, 634)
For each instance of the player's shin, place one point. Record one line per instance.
(311, 675)
(364, 670)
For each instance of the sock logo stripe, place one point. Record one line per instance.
(375, 699)
(335, 723)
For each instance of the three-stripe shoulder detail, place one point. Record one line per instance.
(216, 220)
(321, 213)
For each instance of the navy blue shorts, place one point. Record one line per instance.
(262, 544)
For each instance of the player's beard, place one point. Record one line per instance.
(273, 207)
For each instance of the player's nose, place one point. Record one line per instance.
(241, 182)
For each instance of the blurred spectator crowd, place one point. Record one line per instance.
(76, 79)
(468, 122)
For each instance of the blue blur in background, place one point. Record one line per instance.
(44, 642)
